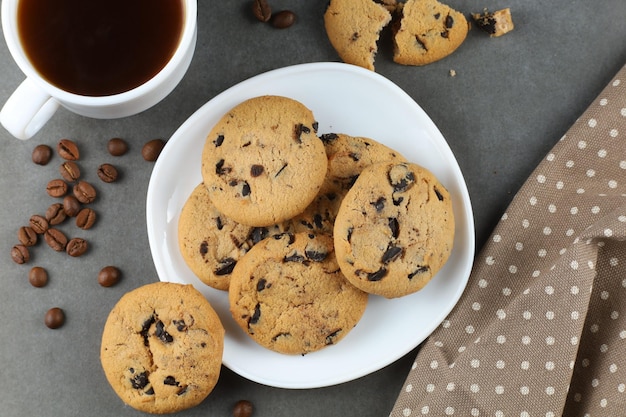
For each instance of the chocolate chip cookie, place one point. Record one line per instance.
(394, 230)
(211, 243)
(263, 163)
(347, 157)
(288, 294)
(427, 31)
(162, 348)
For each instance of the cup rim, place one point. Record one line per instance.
(9, 26)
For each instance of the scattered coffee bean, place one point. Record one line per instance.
(152, 149)
(27, 236)
(283, 19)
(84, 192)
(107, 173)
(109, 276)
(76, 247)
(20, 254)
(68, 150)
(71, 205)
(86, 218)
(42, 154)
(55, 318)
(55, 239)
(39, 224)
(55, 214)
(70, 171)
(243, 408)
(56, 188)
(117, 147)
(261, 10)
(38, 277)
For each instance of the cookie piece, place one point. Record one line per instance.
(494, 23)
(212, 243)
(162, 348)
(394, 230)
(347, 157)
(289, 295)
(263, 162)
(353, 28)
(427, 31)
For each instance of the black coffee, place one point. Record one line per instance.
(99, 47)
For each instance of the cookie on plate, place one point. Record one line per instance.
(212, 243)
(162, 348)
(426, 31)
(354, 26)
(263, 163)
(347, 157)
(289, 295)
(394, 230)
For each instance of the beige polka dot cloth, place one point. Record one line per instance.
(541, 328)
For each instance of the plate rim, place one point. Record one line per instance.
(431, 128)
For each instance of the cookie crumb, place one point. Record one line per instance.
(452, 73)
(494, 23)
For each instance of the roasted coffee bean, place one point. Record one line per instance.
(68, 150)
(70, 171)
(42, 154)
(152, 149)
(71, 205)
(56, 188)
(86, 218)
(39, 224)
(283, 19)
(55, 239)
(117, 147)
(107, 173)
(243, 408)
(84, 192)
(20, 254)
(261, 10)
(55, 214)
(76, 247)
(109, 276)
(55, 318)
(38, 277)
(27, 236)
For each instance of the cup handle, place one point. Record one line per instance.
(27, 110)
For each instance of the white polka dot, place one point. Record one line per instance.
(613, 368)
(482, 283)
(616, 83)
(425, 410)
(409, 388)
(574, 340)
(469, 329)
(450, 387)
(474, 388)
(525, 224)
(475, 363)
(497, 238)
(461, 349)
(550, 341)
(449, 411)
(591, 173)
(541, 178)
(550, 315)
(525, 365)
(622, 164)
(604, 295)
(569, 164)
(574, 315)
(613, 133)
(533, 200)
(406, 412)
(550, 157)
(489, 260)
(592, 122)
(595, 209)
(547, 231)
(499, 389)
(512, 269)
(614, 315)
(430, 388)
(519, 246)
(594, 328)
(527, 315)
(542, 253)
(608, 232)
(580, 191)
(536, 273)
(552, 208)
(475, 412)
(623, 112)
(582, 144)
(526, 340)
(573, 210)
(434, 365)
(549, 366)
(501, 339)
(603, 102)
(506, 291)
(595, 382)
(574, 264)
(524, 390)
(550, 390)
(574, 290)
(500, 364)
(612, 184)
(603, 403)
(476, 306)
(549, 289)
(604, 348)
(602, 153)
(621, 388)
(613, 261)
(569, 232)
(585, 363)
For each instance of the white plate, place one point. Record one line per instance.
(344, 99)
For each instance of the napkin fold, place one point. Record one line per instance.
(541, 327)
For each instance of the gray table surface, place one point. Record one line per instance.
(512, 98)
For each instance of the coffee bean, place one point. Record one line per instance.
(70, 171)
(55, 214)
(42, 154)
(20, 254)
(109, 276)
(84, 192)
(68, 150)
(107, 173)
(38, 277)
(71, 205)
(27, 236)
(152, 149)
(76, 247)
(283, 19)
(38, 223)
(55, 318)
(86, 218)
(261, 10)
(117, 147)
(55, 239)
(56, 188)
(243, 408)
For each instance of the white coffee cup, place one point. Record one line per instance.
(35, 100)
